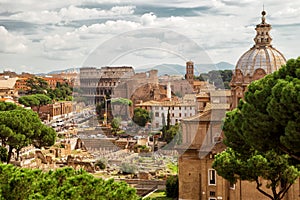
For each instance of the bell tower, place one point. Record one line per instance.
(189, 74)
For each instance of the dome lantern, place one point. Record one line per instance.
(263, 37)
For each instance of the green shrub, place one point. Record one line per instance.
(128, 168)
(172, 186)
(101, 163)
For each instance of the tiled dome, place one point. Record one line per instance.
(262, 55)
(267, 58)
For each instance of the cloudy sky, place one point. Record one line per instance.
(42, 36)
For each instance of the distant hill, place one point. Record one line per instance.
(176, 69)
(64, 70)
(171, 69)
(163, 69)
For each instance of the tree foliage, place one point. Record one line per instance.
(3, 154)
(174, 133)
(263, 133)
(128, 168)
(122, 101)
(115, 124)
(141, 116)
(33, 100)
(101, 163)
(21, 127)
(122, 107)
(37, 85)
(220, 78)
(62, 91)
(172, 189)
(65, 183)
(5, 106)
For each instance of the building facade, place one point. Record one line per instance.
(56, 110)
(7, 87)
(160, 109)
(202, 134)
(96, 84)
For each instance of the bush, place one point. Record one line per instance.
(128, 168)
(64, 183)
(172, 186)
(3, 154)
(101, 163)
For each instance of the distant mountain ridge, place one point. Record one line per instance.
(176, 69)
(171, 69)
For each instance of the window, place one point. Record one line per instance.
(212, 198)
(156, 114)
(179, 114)
(211, 177)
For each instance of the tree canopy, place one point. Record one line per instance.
(37, 85)
(262, 133)
(141, 116)
(220, 78)
(65, 183)
(173, 133)
(21, 127)
(269, 118)
(37, 100)
(122, 109)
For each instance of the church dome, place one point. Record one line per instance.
(262, 55)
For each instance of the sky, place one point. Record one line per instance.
(43, 36)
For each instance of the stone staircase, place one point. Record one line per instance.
(100, 143)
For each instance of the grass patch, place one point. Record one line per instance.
(159, 195)
(173, 167)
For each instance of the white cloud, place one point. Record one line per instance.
(70, 13)
(287, 15)
(58, 42)
(71, 45)
(109, 27)
(10, 43)
(75, 13)
(148, 19)
(226, 30)
(40, 17)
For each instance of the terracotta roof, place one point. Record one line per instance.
(7, 83)
(217, 93)
(7, 100)
(217, 106)
(208, 115)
